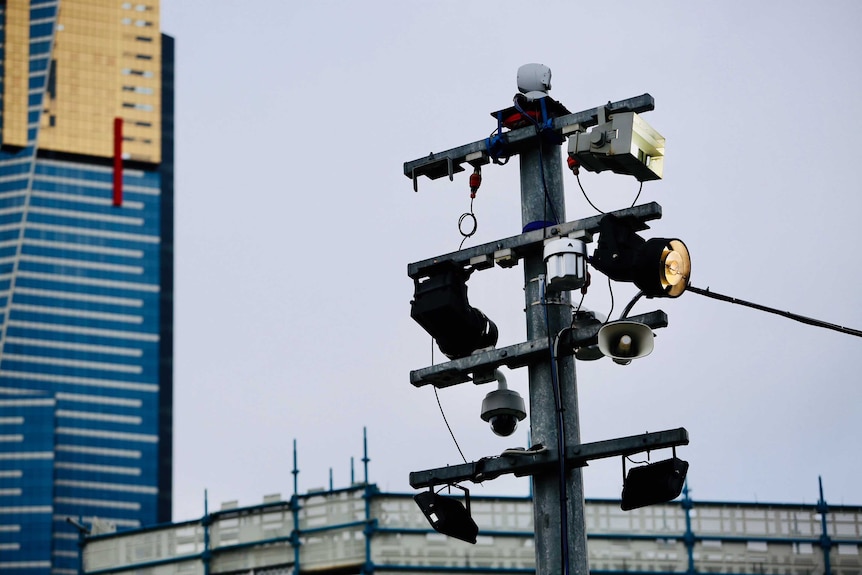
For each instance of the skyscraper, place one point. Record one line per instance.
(86, 274)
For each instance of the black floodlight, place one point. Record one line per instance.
(660, 267)
(658, 482)
(440, 306)
(447, 515)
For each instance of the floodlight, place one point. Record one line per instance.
(660, 267)
(440, 306)
(658, 482)
(625, 144)
(447, 515)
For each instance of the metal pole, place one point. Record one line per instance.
(558, 510)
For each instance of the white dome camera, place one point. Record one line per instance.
(534, 80)
(503, 409)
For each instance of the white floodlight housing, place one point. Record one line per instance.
(566, 264)
(625, 144)
(534, 80)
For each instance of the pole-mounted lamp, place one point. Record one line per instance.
(440, 306)
(447, 515)
(658, 482)
(660, 267)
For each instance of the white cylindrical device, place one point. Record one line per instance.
(566, 264)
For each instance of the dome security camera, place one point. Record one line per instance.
(534, 80)
(503, 409)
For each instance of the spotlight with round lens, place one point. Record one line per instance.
(663, 267)
(660, 267)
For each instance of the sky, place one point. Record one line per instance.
(295, 226)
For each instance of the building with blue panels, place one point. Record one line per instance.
(86, 275)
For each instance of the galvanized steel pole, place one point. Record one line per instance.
(558, 503)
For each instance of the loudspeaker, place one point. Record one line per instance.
(624, 341)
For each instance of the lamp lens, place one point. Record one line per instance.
(676, 268)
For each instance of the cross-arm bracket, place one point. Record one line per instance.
(530, 462)
(448, 163)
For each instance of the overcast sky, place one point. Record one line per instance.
(295, 225)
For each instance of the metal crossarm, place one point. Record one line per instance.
(447, 163)
(530, 462)
(514, 356)
(506, 252)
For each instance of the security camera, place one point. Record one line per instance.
(534, 80)
(504, 425)
(503, 409)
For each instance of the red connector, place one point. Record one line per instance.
(475, 181)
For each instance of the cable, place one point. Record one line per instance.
(561, 436)
(800, 318)
(463, 217)
(631, 304)
(446, 421)
(640, 189)
(541, 162)
(580, 303)
(440, 405)
(545, 189)
(586, 197)
(611, 290)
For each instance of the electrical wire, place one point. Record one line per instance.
(630, 305)
(584, 192)
(640, 189)
(796, 317)
(494, 159)
(464, 237)
(561, 435)
(580, 303)
(463, 217)
(443, 413)
(586, 197)
(548, 202)
(611, 290)
(446, 421)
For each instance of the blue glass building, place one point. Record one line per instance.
(86, 275)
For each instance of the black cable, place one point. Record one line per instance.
(463, 217)
(796, 317)
(611, 290)
(561, 438)
(446, 421)
(440, 405)
(640, 189)
(586, 197)
(584, 192)
(545, 189)
(541, 163)
(630, 305)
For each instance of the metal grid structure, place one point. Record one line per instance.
(361, 530)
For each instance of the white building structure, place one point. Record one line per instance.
(362, 530)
